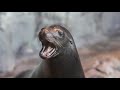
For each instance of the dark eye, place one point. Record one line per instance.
(60, 33)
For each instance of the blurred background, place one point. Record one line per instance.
(96, 35)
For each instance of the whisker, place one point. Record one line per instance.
(60, 44)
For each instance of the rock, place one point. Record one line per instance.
(105, 66)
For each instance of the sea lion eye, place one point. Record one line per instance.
(60, 33)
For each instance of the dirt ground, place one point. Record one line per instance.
(102, 65)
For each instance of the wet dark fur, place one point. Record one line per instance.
(66, 65)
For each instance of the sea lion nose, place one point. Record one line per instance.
(43, 30)
(47, 33)
(46, 30)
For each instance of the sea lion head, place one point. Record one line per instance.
(54, 39)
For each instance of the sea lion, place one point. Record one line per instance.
(59, 54)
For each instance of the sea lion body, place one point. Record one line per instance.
(59, 54)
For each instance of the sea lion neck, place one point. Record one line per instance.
(66, 65)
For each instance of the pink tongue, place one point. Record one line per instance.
(47, 52)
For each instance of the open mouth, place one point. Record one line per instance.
(48, 50)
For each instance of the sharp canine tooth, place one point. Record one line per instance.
(43, 49)
(51, 50)
(48, 49)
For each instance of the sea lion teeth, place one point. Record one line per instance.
(46, 52)
(43, 49)
(51, 53)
